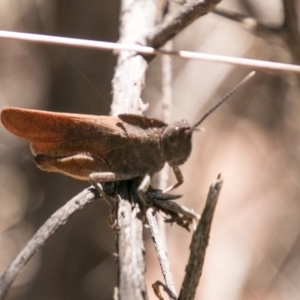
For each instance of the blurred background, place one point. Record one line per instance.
(252, 140)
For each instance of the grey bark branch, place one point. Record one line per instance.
(136, 18)
(131, 253)
(59, 218)
(178, 21)
(199, 244)
(161, 252)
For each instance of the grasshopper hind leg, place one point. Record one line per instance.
(81, 166)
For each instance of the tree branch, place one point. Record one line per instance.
(136, 18)
(199, 244)
(59, 218)
(178, 21)
(161, 252)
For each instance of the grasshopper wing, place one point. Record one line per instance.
(61, 134)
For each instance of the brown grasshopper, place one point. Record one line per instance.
(105, 148)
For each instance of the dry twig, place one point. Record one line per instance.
(161, 252)
(199, 244)
(178, 21)
(59, 218)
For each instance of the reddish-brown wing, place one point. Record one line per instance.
(61, 134)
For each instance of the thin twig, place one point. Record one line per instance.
(158, 231)
(59, 218)
(157, 224)
(199, 244)
(166, 62)
(90, 44)
(173, 24)
(163, 176)
(161, 253)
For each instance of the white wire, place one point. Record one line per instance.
(82, 43)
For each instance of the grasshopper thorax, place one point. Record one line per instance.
(176, 143)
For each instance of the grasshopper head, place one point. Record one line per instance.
(176, 143)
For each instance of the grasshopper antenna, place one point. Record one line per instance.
(250, 75)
